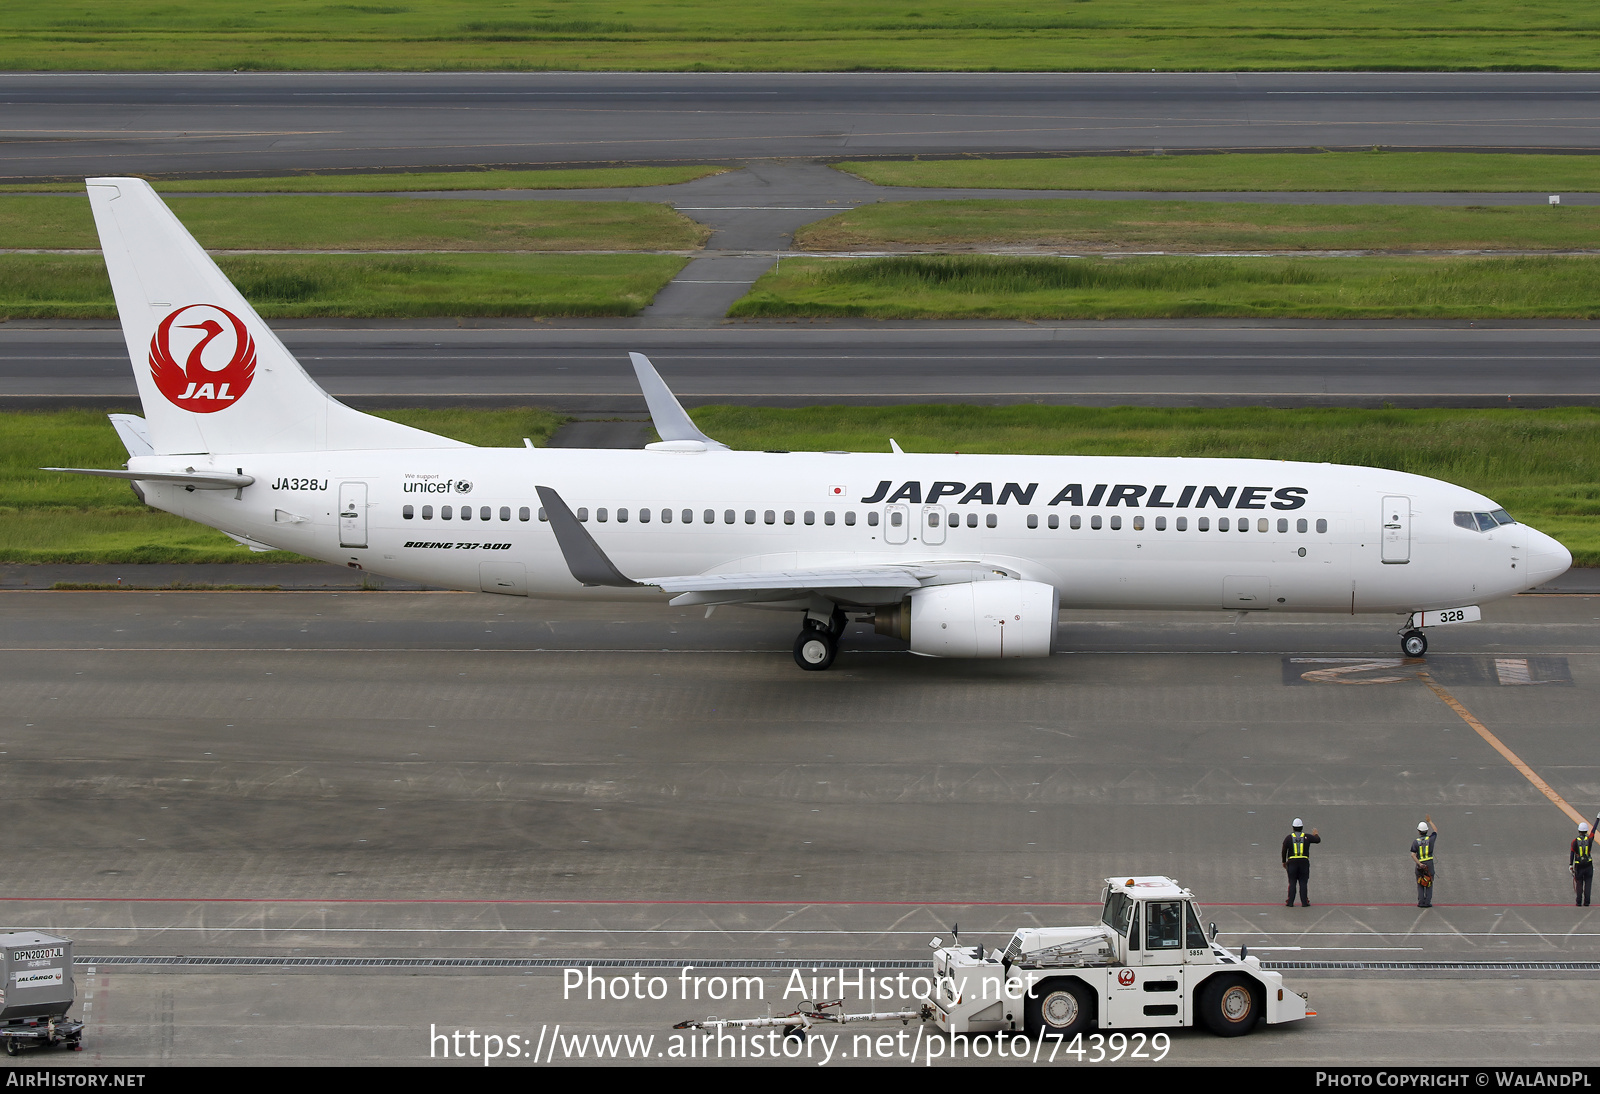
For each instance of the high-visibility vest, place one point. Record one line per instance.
(1297, 846)
(1425, 848)
(1583, 845)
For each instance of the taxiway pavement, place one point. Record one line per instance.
(392, 777)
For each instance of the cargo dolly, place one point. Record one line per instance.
(36, 991)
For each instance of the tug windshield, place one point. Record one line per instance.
(1118, 910)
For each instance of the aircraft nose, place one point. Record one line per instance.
(1547, 559)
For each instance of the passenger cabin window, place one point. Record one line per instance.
(1116, 524)
(1222, 524)
(972, 520)
(1163, 925)
(466, 512)
(1183, 524)
(811, 516)
(991, 521)
(409, 512)
(1322, 526)
(1138, 524)
(644, 515)
(484, 513)
(849, 517)
(1076, 521)
(583, 513)
(728, 516)
(505, 513)
(1055, 521)
(788, 516)
(1033, 520)
(444, 512)
(895, 520)
(427, 512)
(1094, 522)
(1300, 525)
(749, 516)
(1204, 524)
(602, 515)
(872, 519)
(827, 518)
(711, 516)
(622, 516)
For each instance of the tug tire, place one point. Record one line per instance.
(1058, 1007)
(1230, 1006)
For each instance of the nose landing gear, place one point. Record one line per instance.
(1413, 643)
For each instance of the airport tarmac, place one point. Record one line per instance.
(392, 779)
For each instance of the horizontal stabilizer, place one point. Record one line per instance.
(199, 480)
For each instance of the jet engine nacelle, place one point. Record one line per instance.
(1000, 618)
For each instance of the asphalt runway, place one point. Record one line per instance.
(75, 124)
(581, 366)
(399, 777)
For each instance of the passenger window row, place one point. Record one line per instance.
(714, 516)
(1181, 524)
(446, 512)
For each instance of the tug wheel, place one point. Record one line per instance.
(1230, 1006)
(1062, 1007)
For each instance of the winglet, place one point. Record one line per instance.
(583, 555)
(668, 415)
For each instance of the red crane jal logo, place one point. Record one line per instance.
(219, 359)
(1125, 977)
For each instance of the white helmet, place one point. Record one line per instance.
(1422, 826)
(1583, 826)
(1298, 823)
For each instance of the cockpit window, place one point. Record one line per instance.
(1483, 522)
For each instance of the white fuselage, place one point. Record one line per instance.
(1106, 532)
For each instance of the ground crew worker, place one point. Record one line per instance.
(1580, 861)
(1297, 861)
(1422, 858)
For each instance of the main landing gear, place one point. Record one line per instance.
(818, 643)
(1413, 643)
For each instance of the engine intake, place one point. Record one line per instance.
(999, 618)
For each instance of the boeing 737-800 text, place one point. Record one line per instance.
(957, 555)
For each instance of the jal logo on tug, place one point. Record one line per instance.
(219, 358)
(1125, 977)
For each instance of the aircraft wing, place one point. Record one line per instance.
(589, 564)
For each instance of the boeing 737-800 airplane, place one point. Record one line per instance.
(957, 555)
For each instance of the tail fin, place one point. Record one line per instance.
(212, 376)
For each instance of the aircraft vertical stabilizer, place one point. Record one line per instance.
(212, 376)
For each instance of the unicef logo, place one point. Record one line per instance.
(463, 488)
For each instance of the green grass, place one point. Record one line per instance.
(1355, 171)
(813, 34)
(399, 182)
(991, 287)
(1542, 465)
(50, 517)
(366, 286)
(274, 222)
(1091, 225)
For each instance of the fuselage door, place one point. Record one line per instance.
(1396, 529)
(352, 514)
(896, 523)
(933, 524)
